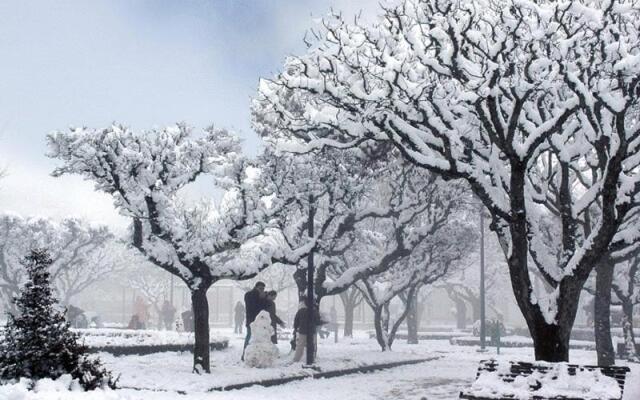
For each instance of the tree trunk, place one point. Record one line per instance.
(348, 320)
(349, 304)
(551, 339)
(200, 307)
(550, 342)
(379, 324)
(461, 314)
(602, 314)
(627, 329)
(412, 319)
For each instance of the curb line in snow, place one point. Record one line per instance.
(320, 374)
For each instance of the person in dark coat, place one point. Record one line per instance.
(270, 306)
(239, 317)
(301, 329)
(188, 322)
(253, 304)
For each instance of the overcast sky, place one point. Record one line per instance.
(141, 63)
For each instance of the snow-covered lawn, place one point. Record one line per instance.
(162, 375)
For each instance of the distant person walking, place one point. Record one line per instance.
(253, 304)
(141, 309)
(188, 324)
(135, 323)
(168, 312)
(270, 306)
(238, 317)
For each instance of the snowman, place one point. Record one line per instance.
(261, 352)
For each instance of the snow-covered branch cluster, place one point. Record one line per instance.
(144, 173)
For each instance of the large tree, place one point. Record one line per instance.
(515, 97)
(201, 243)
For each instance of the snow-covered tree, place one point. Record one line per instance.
(82, 254)
(329, 187)
(430, 258)
(514, 97)
(200, 244)
(38, 342)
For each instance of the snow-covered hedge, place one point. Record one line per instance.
(516, 341)
(127, 341)
(130, 337)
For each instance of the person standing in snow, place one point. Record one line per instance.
(141, 309)
(188, 323)
(168, 315)
(239, 317)
(270, 306)
(301, 329)
(253, 304)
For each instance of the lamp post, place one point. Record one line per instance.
(482, 294)
(171, 290)
(311, 330)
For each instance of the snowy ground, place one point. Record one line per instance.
(162, 375)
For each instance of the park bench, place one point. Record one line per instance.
(510, 380)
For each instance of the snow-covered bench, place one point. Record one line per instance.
(540, 381)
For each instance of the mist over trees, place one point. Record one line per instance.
(82, 254)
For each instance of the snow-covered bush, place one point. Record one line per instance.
(38, 342)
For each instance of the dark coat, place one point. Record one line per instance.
(270, 306)
(301, 321)
(253, 304)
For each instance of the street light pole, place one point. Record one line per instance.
(482, 300)
(311, 330)
(171, 290)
